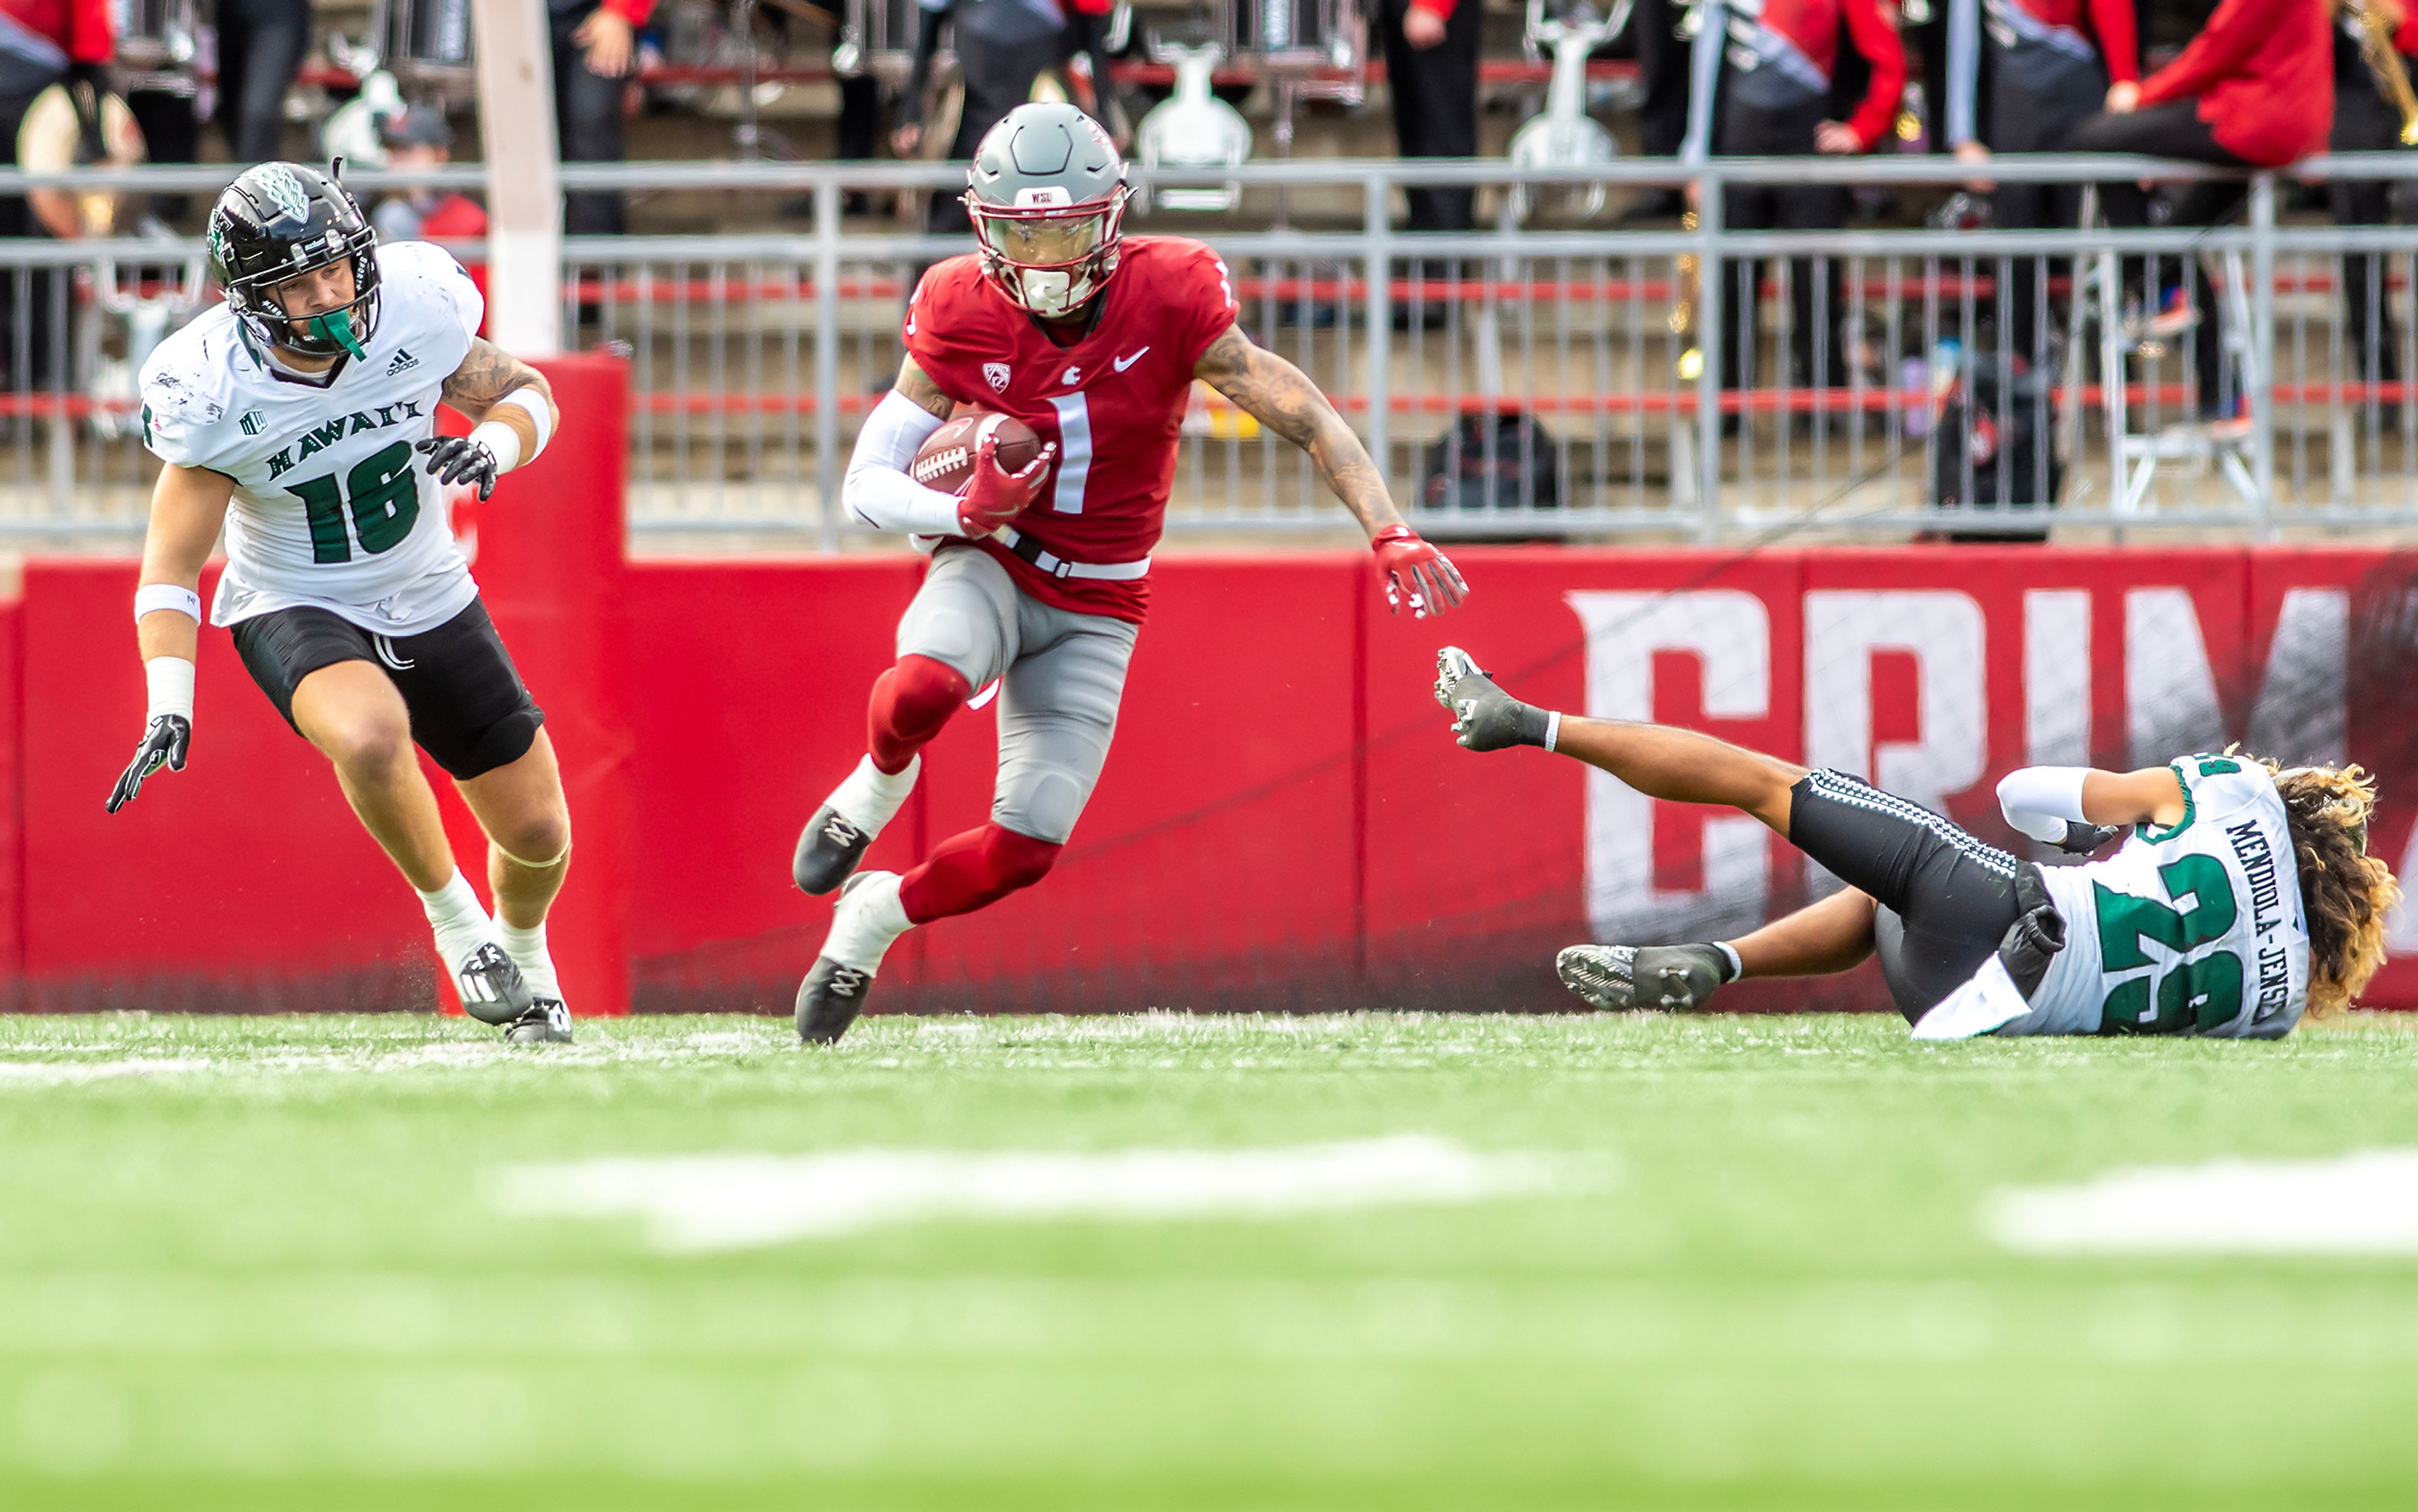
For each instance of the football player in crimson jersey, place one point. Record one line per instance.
(1040, 578)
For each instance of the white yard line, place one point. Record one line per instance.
(388, 1057)
(2362, 1203)
(692, 1203)
(59, 1073)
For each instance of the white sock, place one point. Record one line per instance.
(871, 797)
(868, 917)
(526, 947)
(460, 924)
(1738, 967)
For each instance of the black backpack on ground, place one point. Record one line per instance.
(1503, 461)
(2012, 445)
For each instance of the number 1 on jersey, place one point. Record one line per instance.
(1074, 453)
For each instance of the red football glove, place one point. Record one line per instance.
(993, 497)
(1416, 571)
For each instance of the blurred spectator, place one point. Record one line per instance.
(2365, 121)
(42, 42)
(1770, 98)
(1004, 47)
(418, 139)
(2256, 88)
(1432, 71)
(593, 46)
(261, 44)
(2042, 65)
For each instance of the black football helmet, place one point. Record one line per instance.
(281, 220)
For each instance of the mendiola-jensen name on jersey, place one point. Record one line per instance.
(330, 509)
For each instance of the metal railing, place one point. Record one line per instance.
(1526, 380)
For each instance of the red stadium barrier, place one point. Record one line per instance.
(1283, 822)
(554, 573)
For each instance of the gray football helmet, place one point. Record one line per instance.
(1047, 192)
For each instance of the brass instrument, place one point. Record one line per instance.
(2373, 35)
(1683, 309)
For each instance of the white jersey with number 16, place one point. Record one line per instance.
(2194, 930)
(333, 508)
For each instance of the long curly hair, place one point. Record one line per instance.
(2348, 893)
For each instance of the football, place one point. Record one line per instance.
(946, 460)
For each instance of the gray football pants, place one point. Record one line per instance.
(1060, 676)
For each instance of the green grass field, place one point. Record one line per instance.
(268, 1262)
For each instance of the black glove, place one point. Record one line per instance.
(2083, 839)
(2036, 936)
(457, 459)
(165, 741)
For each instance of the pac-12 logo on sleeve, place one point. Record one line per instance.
(995, 374)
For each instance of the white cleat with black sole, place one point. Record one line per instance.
(493, 989)
(835, 839)
(548, 1022)
(868, 917)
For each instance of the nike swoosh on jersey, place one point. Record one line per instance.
(1123, 363)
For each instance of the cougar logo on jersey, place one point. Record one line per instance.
(994, 373)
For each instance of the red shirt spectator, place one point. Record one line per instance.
(2263, 73)
(1810, 29)
(79, 28)
(2111, 26)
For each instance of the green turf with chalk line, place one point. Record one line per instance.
(262, 1262)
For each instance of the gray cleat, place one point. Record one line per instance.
(548, 1022)
(828, 851)
(829, 1000)
(1484, 717)
(1673, 978)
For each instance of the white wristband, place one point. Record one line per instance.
(502, 440)
(170, 680)
(539, 412)
(152, 596)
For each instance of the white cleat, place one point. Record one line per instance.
(867, 920)
(835, 840)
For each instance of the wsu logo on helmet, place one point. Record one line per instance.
(995, 374)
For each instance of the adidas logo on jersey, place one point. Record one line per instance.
(404, 363)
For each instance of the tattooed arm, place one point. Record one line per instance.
(1281, 397)
(917, 388)
(510, 409)
(487, 374)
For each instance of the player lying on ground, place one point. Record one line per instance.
(1094, 341)
(2243, 895)
(304, 402)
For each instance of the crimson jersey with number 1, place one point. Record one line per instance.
(1112, 402)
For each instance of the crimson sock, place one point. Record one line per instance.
(911, 702)
(974, 870)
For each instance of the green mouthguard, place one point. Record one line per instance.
(338, 330)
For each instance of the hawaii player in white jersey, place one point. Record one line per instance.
(2242, 897)
(301, 415)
